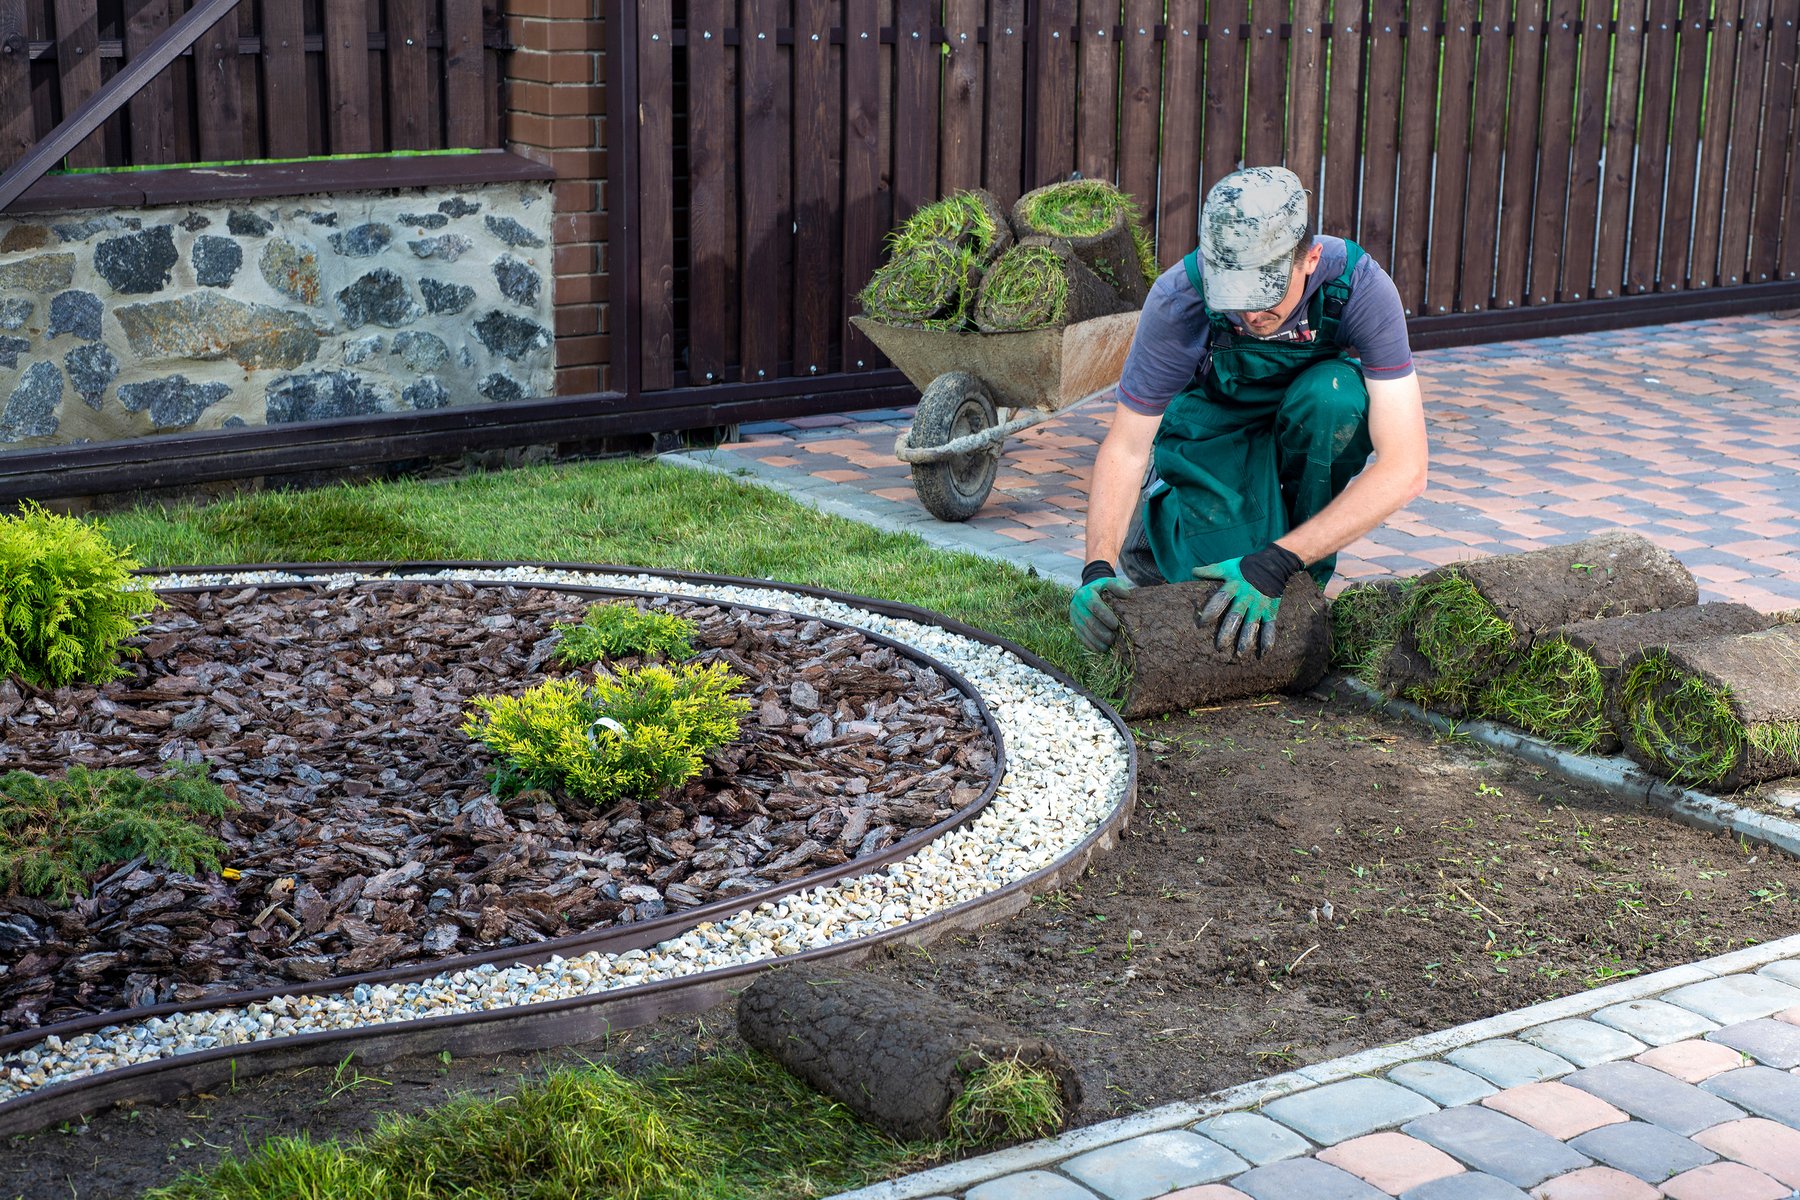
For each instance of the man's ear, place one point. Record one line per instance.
(1313, 255)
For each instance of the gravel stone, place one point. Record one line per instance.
(10, 349)
(456, 206)
(426, 393)
(217, 261)
(44, 274)
(424, 220)
(91, 371)
(31, 410)
(244, 223)
(76, 313)
(291, 269)
(445, 299)
(173, 403)
(445, 246)
(363, 241)
(518, 280)
(421, 351)
(512, 233)
(379, 298)
(511, 337)
(14, 312)
(138, 263)
(501, 388)
(323, 395)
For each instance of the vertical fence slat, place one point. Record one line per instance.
(1789, 267)
(864, 209)
(656, 197)
(78, 71)
(1715, 144)
(1657, 71)
(1097, 115)
(1561, 49)
(815, 186)
(409, 86)
(150, 115)
(218, 92)
(467, 99)
(1141, 91)
(1777, 141)
(1418, 118)
(763, 169)
(1226, 22)
(347, 76)
(964, 97)
(712, 192)
(1486, 139)
(1381, 138)
(1747, 112)
(17, 135)
(1265, 124)
(1003, 158)
(1054, 103)
(1306, 92)
(1519, 175)
(916, 95)
(281, 24)
(1462, 22)
(1338, 192)
(1621, 143)
(1584, 169)
(1684, 144)
(1178, 194)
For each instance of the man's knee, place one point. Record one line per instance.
(1327, 408)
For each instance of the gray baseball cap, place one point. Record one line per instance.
(1249, 226)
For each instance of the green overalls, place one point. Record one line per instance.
(1259, 441)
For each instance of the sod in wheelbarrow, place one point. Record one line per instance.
(930, 285)
(1040, 283)
(1101, 224)
(973, 219)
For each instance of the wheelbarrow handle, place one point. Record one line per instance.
(969, 443)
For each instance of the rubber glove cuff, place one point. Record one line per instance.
(1269, 569)
(1098, 569)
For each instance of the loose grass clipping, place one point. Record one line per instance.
(1365, 620)
(1101, 225)
(913, 1065)
(1040, 283)
(974, 220)
(1467, 623)
(1172, 665)
(1720, 712)
(929, 286)
(1565, 687)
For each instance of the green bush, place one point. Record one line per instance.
(624, 630)
(632, 737)
(67, 600)
(55, 834)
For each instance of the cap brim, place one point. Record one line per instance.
(1251, 289)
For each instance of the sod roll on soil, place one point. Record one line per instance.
(1038, 283)
(1173, 664)
(1466, 623)
(894, 1055)
(1365, 620)
(1719, 712)
(1100, 224)
(1564, 688)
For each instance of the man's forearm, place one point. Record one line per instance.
(1372, 497)
(1112, 498)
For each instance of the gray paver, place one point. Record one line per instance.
(1030, 1185)
(1470, 1185)
(1763, 1090)
(1786, 971)
(1770, 1042)
(1651, 1096)
(1735, 998)
(1650, 1152)
(1339, 1111)
(1153, 1165)
(1507, 1063)
(1304, 1179)
(1654, 1022)
(1493, 1142)
(1584, 1043)
(1442, 1082)
(1257, 1140)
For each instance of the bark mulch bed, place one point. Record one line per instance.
(368, 836)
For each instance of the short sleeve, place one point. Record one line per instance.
(1374, 323)
(1170, 346)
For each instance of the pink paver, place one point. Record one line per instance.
(1717, 1180)
(1554, 1108)
(1391, 1161)
(1692, 1061)
(1770, 1148)
(1212, 1191)
(1595, 1183)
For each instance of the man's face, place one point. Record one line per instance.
(1268, 321)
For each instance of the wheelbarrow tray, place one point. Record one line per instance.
(1049, 368)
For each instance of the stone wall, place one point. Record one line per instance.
(131, 322)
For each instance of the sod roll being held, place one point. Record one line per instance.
(1173, 664)
(1100, 223)
(917, 1066)
(1040, 283)
(973, 219)
(1365, 620)
(1565, 686)
(930, 286)
(1466, 623)
(1719, 712)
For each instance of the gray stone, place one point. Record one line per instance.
(216, 261)
(1441, 1082)
(195, 222)
(1153, 1165)
(46, 273)
(465, 357)
(421, 351)
(327, 219)
(379, 298)
(138, 263)
(1256, 1139)
(362, 350)
(15, 312)
(248, 224)
(10, 349)
(1770, 1042)
(1784, 970)
(1650, 1152)
(511, 337)
(31, 410)
(446, 246)
(1653, 1021)
(1029, 1185)
(456, 206)
(501, 388)
(1763, 1090)
(1506, 1063)
(1494, 1142)
(363, 241)
(424, 220)
(322, 395)
(1470, 1185)
(24, 237)
(210, 326)
(1350, 1108)
(77, 313)
(445, 299)
(1584, 1043)
(81, 231)
(1735, 998)
(234, 423)
(91, 370)
(1652, 1096)
(518, 280)
(173, 403)
(426, 393)
(1304, 1179)
(292, 270)
(511, 232)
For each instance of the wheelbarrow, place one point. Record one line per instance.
(978, 389)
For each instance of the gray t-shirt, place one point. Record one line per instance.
(1173, 341)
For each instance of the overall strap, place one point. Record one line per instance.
(1329, 300)
(1219, 323)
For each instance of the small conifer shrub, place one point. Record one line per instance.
(623, 630)
(68, 600)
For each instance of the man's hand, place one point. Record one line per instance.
(1248, 598)
(1095, 623)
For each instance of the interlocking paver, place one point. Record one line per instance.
(1596, 1183)
(1650, 1152)
(1508, 1063)
(1210, 1191)
(1391, 1161)
(1470, 1185)
(1153, 1165)
(1256, 1139)
(1762, 1090)
(1786, 971)
(1735, 998)
(1771, 1148)
(1654, 1021)
(1649, 1095)
(1692, 1061)
(1304, 1179)
(1351, 1108)
(1442, 1083)
(1770, 1042)
(1030, 1185)
(1496, 1143)
(1719, 1180)
(1555, 1108)
(1584, 1043)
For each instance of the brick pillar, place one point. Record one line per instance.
(556, 115)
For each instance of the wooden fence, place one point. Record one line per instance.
(1493, 154)
(276, 79)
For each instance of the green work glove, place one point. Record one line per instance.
(1095, 623)
(1245, 605)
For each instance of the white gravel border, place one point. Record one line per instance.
(1067, 771)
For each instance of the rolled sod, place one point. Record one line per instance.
(930, 285)
(974, 219)
(1466, 623)
(1173, 665)
(1100, 224)
(1365, 620)
(1564, 688)
(1040, 283)
(1722, 712)
(896, 1056)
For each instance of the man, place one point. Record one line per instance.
(1267, 366)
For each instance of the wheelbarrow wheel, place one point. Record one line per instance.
(954, 406)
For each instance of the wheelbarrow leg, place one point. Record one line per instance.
(955, 405)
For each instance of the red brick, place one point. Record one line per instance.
(575, 320)
(583, 351)
(1390, 1161)
(1692, 1061)
(1554, 1108)
(576, 196)
(545, 67)
(579, 227)
(575, 258)
(578, 381)
(580, 288)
